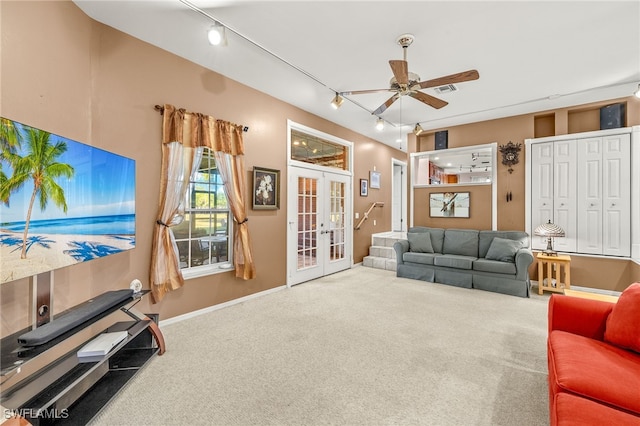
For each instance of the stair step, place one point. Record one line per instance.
(384, 241)
(380, 251)
(379, 263)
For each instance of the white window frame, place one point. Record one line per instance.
(214, 268)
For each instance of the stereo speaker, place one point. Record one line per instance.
(442, 139)
(612, 116)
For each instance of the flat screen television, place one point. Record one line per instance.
(61, 202)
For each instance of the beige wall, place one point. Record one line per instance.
(67, 74)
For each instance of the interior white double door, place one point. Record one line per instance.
(319, 236)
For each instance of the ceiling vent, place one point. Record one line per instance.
(447, 88)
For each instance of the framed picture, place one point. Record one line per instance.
(375, 179)
(449, 204)
(266, 189)
(364, 187)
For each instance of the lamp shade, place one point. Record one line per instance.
(549, 230)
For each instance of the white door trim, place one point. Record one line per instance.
(402, 184)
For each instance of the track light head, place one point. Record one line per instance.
(216, 35)
(379, 124)
(637, 92)
(418, 129)
(337, 101)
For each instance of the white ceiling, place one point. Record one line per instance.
(531, 55)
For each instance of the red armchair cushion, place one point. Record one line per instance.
(594, 369)
(576, 315)
(623, 324)
(571, 410)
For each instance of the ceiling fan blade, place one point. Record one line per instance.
(382, 108)
(450, 79)
(362, 92)
(400, 71)
(429, 100)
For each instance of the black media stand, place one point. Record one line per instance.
(49, 385)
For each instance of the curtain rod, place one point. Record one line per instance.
(160, 108)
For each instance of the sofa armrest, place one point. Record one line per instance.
(523, 259)
(585, 317)
(401, 247)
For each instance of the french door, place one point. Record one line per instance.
(319, 224)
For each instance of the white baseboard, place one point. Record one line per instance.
(193, 314)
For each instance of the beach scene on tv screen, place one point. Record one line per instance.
(61, 202)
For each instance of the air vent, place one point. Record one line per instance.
(446, 88)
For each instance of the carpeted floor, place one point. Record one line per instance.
(360, 347)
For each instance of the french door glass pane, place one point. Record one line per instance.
(337, 220)
(307, 222)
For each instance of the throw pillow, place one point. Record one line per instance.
(420, 242)
(623, 323)
(503, 249)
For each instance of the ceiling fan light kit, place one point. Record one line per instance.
(406, 83)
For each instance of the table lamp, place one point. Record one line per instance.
(549, 230)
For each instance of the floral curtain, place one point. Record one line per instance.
(184, 135)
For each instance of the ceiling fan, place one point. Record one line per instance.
(405, 83)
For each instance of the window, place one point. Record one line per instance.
(203, 236)
(315, 150)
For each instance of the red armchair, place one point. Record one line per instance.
(591, 380)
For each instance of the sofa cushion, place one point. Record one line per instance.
(572, 410)
(419, 242)
(486, 238)
(463, 242)
(423, 258)
(437, 236)
(454, 261)
(503, 250)
(495, 266)
(594, 369)
(623, 323)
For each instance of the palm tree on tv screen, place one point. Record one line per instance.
(10, 138)
(40, 165)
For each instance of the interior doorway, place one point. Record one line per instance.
(399, 196)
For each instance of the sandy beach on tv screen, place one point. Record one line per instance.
(53, 251)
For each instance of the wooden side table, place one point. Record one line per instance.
(547, 265)
(593, 296)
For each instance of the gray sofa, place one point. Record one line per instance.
(489, 260)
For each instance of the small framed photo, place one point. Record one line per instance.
(266, 189)
(364, 187)
(375, 179)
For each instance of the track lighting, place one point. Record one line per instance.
(637, 92)
(379, 124)
(418, 129)
(217, 35)
(337, 101)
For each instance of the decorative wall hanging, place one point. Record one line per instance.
(364, 187)
(510, 153)
(449, 204)
(375, 180)
(266, 189)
